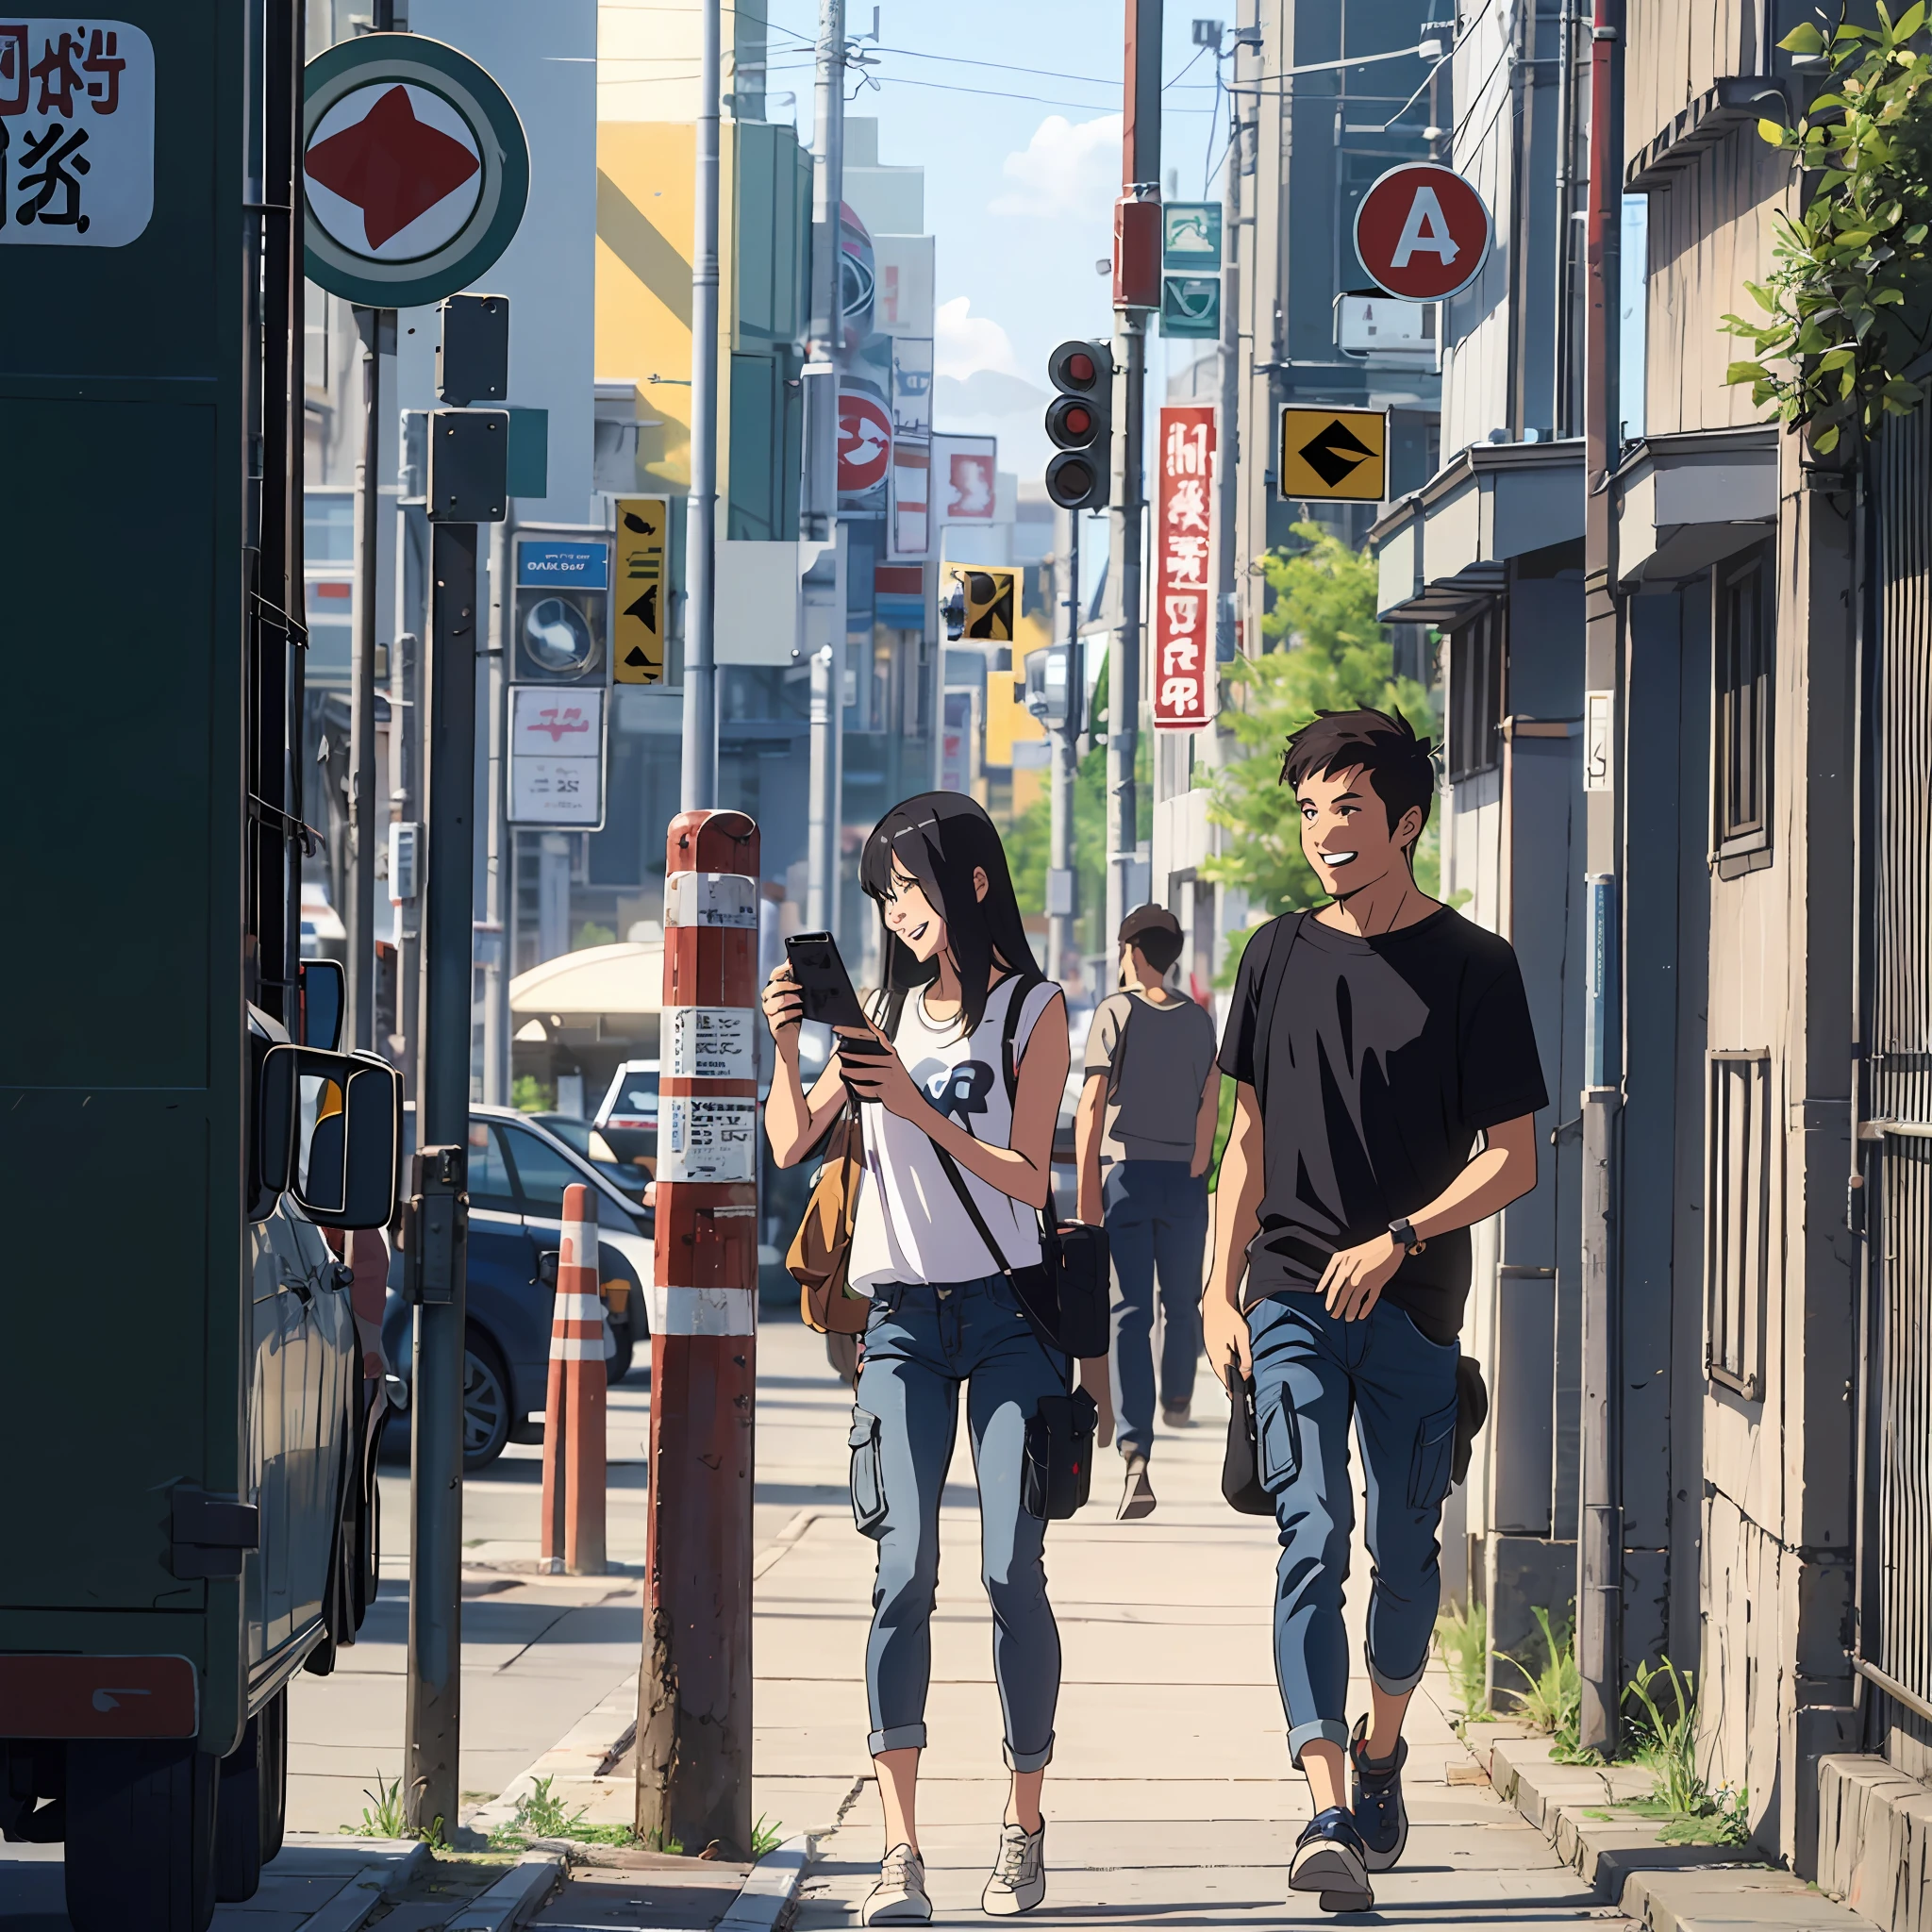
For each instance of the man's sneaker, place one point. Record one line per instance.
(1331, 1859)
(1019, 1878)
(899, 1897)
(1376, 1795)
(1177, 1415)
(1137, 1498)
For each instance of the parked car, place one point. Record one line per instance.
(627, 1115)
(590, 1143)
(518, 1173)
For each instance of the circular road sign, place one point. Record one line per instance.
(865, 441)
(415, 168)
(1423, 232)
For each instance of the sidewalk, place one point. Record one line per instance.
(1170, 1801)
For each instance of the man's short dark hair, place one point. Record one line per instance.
(1384, 748)
(1156, 932)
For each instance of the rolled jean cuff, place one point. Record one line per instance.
(1334, 1730)
(1396, 1687)
(900, 1738)
(1028, 1760)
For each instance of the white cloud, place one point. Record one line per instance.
(1065, 170)
(964, 343)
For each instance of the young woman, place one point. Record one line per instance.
(942, 1315)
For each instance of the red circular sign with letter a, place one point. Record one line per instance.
(1423, 232)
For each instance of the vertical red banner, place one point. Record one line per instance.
(1182, 685)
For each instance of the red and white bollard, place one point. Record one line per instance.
(574, 1413)
(694, 1721)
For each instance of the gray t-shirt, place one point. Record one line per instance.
(1156, 1060)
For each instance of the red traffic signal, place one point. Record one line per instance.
(1079, 421)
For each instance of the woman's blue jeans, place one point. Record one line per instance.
(922, 1341)
(1315, 1373)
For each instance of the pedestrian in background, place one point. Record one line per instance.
(1144, 1137)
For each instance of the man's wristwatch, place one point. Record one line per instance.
(1405, 1235)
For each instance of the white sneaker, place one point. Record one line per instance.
(1019, 1879)
(899, 1897)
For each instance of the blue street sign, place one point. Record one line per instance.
(577, 566)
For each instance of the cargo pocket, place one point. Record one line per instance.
(868, 1477)
(1279, 1442)
(1429, 1467)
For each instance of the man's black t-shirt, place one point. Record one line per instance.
(1382, 1060)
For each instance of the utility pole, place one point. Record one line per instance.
(824, 585)
(1600, 1526)
(1062, 903)
(1227, 449)
(377, 329)
(1140, 181)
(437, 1256)
(699, 788)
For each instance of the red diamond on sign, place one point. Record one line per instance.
(391, 165)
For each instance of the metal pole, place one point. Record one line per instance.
(1062, 902)
(377, 328)
(433, 1717)
(1123, 679)
(1600, 1533)
(497, 835)
(1227, 441)
(699, 788)
(818, 913)
(695, 1684)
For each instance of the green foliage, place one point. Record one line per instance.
(387, 1815)
(766, 1838)
(529, 1095)
(1462, 1637)
(1325, 652)
(590, 934)
(1663, 1737)
(541, 1813)
(1848, 306)
(1553, 1703)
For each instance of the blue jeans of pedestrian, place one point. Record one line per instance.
(1157, 1223)
(1315, 1373)
(922, 1343)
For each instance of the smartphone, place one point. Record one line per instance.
(821, 977)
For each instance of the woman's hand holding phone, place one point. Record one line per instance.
(875, 1072)
(784, 1003)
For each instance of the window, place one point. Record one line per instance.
(542, 1173)
(489, 1182)
(1742, 714)
(1738, 1219)
(1475, 694)
(328, 527)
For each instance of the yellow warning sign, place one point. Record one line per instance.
(988, 601)
(1334, 454)
(640, 592)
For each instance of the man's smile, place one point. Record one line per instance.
(1336, 857)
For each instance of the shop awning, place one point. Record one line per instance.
(600, 981)
(1682, 501)
(1441, 549)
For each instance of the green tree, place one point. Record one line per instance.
(1324, 651)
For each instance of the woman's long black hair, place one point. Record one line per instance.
(938, 839)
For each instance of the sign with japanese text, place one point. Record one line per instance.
(638, 649)
(699, 1139)
(77, 132)
(712, 1043)
(556, 755)
(1183, 684)
(415, 169)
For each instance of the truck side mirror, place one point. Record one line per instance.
(320, 992)
(329, 1133)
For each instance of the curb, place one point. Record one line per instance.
(515, 1895)
(771, 1888)
(1626, 1861)
(349, 1909)
(595, 1742)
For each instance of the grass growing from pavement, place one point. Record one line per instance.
(541, 1813)
(1552, 1699)
(1663, 1732)
(386, 1815)
(766, 1838)
(1462, 1636)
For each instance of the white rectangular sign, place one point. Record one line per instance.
(712, 1043)
(77, 132)
(711, 898)
(705, 1140)
(556, 755)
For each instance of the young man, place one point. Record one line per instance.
(1150, 1052)
(1386, 1081)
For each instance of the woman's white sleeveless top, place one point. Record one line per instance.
(911, 1225)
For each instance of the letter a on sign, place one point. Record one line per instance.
(1423, 232)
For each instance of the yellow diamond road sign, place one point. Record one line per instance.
(1334, 454)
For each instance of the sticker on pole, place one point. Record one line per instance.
(711, 898)
(704, 1139)
(77, 132)
(712, 1043)
(415, 168)
(1423, 232)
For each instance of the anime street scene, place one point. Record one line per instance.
(979, 971)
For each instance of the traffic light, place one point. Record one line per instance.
(980, 603)
(1080, 421)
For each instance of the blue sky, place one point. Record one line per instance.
(1012, 108)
